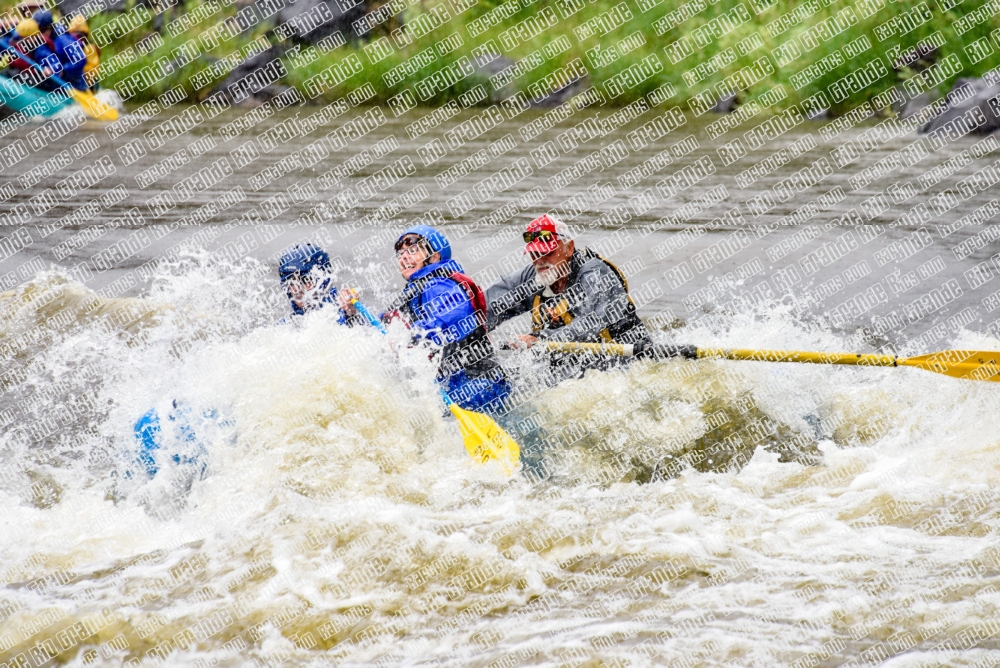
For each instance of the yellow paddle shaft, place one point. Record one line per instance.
(968, 364)
(628, 350)
(854, 359)
(615, 349)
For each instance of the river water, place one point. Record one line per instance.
(676, 513)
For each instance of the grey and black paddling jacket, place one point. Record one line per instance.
(594, 308)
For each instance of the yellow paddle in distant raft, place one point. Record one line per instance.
(484, 439)
(92, 106)
(966, 364)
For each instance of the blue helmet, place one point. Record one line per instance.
(301, 259)
(438, 242)
(43, 18)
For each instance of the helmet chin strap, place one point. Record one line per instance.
(430, 252)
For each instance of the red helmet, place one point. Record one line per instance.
(544, 233)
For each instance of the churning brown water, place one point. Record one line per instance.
(677, 513)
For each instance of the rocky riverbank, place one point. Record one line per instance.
(826, 57)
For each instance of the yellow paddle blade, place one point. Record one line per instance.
(485, 439)
(92, 106)
(968, 364)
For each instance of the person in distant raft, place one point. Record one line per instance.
(66, 48)
(444, 306)
(304, 270)
(572, 295)
(34, 44)
(80, 31)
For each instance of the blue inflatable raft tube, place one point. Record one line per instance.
(30, 101)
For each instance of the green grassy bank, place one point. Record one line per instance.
(628, 47)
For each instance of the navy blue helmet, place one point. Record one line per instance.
(300, 259)
(43, 18)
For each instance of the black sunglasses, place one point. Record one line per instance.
(544, 235)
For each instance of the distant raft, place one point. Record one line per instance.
(30, 101)
(39, 104)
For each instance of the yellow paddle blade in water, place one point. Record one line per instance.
(485, 439)
(92, 106)
(968, 364)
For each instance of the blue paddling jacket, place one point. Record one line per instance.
(38, 49)
(73, 59)
(447, 307)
